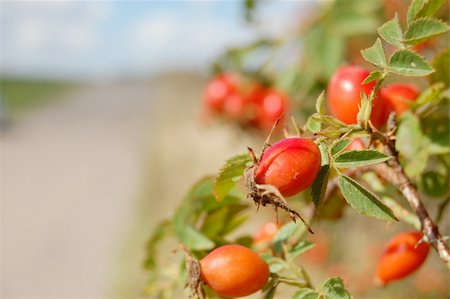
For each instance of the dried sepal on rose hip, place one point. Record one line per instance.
(289, 167)
(229, 270)
(402, 256)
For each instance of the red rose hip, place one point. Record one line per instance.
(291, 165)
(266, 232)
(234, 271)
(344, 95)
(402, 256)
(398, 96)
(218, 89)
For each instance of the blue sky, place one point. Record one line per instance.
(80, 39)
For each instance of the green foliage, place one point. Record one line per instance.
(435, 184)
(392, 32)
(320, 103)
(201, 222)
(314, 124)
(300, 248)
(424, 29)
(332, 288)
(359, 158)
(364, 201)
(286, 233)
(229, 175)
(440, 64)
(23, 95)
(423, 8)
(373, 76)
(340, 145)
(412, 145)
(375, 54)
(319, 186)
(408, 63)
(306, 293)
(365, 110)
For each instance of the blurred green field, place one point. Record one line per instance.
(22, 95)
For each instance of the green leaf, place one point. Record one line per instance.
(324, 153)
(414, 8)
(319, 185)
(284, 233)
(436, 129)
(332, 121)
(300, 248)
(339, 146)
(432, 94)
(434, 184)
(162, 230)
(193, 239)
(270, 288)
(313, 124)
(429, 7)
(214, 222)
(320, 103)
(373, 76)
(424, 29)
(223, 220)
(229, 175)
(392, 32)
(414, 167)
(234, 223)
(375, 54)
(276, 266)
(411, 144)
(359, 158)
(334, 288)
(305, 293)
(440, 64)
(408, 63)
(364, 201)
(409, 135)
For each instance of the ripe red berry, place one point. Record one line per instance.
(234, 106)
(291, 165)
(234, 271)
(273, 106)
(397, 96)
(344, 95)
(218, 89)
(266, 105)
(402, 256)
(266, 232)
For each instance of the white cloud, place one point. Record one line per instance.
(39, 37)
(31, 33)
(80, 38)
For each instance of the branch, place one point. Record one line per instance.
(393, 172)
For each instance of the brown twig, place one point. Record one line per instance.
(393, 172)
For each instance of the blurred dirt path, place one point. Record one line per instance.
(69, 174)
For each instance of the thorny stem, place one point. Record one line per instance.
(393, 172)
(397, 176)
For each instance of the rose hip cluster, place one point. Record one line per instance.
(256, 106)
(345, 88)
